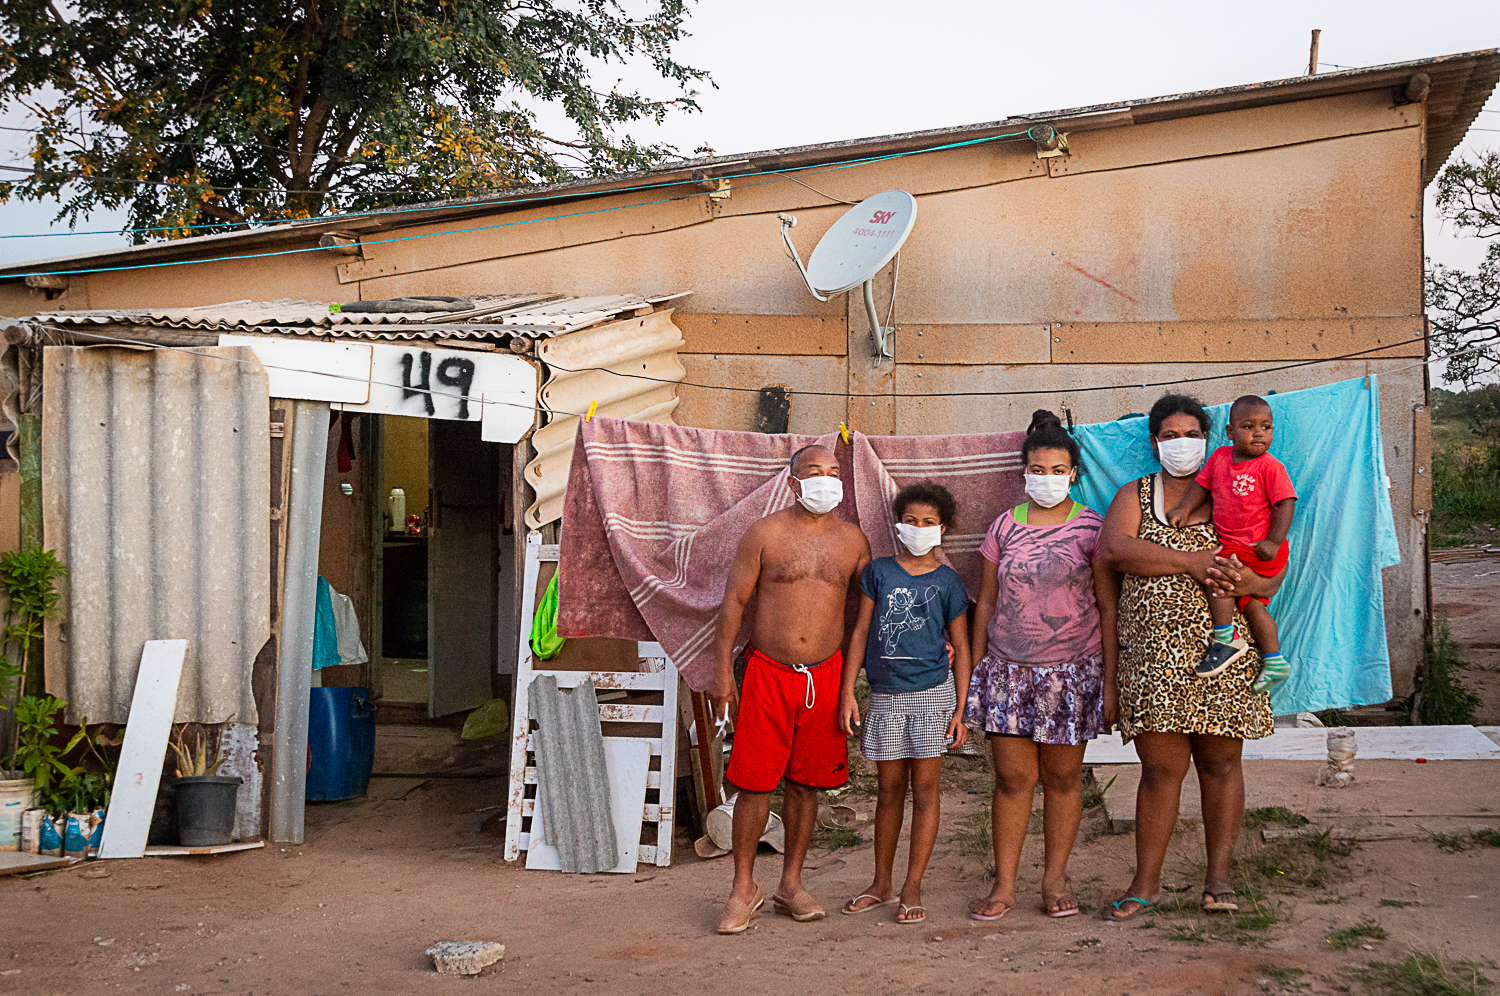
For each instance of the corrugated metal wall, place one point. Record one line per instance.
(646, 346)
(156, 490)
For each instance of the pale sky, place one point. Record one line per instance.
(795, 72)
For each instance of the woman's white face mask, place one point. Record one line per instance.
(1181, 457)
(821, 495)
(1048, 490)
(919, 539)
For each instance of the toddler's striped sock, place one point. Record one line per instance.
(1224, 634)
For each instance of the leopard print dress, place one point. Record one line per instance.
(1163, 626)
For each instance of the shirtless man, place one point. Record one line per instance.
(800, 564)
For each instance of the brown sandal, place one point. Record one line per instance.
(738, 914)
(802, 907)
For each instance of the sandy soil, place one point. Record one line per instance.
(379, 880)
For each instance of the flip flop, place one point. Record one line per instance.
(911, 919)
(1220, 902)
(1054, 908)
(981, 916)
(865, 909)
(1119, 905)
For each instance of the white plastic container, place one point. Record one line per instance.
(721, 828)
(397, 507)
(15, 799)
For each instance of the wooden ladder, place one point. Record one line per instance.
(661, 678)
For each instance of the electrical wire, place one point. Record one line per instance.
(821, 193)
(778, 176)
(564, 194)
(1009, 394)
(818, 394)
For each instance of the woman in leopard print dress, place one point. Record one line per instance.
(1160, 620)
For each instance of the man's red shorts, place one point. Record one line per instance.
(777, 734)
(1265, 568)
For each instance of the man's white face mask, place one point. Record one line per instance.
(821, 495)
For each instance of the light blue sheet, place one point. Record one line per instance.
(1331, 608)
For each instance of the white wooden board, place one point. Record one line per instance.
(626, 759)
(169, 851)
(312, 371)
(133, 799)
(509, 415)
(450, 384)
(1434, 743)
(21, 863)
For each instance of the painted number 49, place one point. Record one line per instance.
(882, 217)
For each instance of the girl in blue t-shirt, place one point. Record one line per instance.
(912, 607)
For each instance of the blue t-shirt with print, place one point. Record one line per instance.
(907, 649)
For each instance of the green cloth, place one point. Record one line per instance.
(545, 642)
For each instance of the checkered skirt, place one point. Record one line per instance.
(909, 724)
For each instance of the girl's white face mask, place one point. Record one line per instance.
(1048, 489)
(919, 539)
(821, 495)
(1181, 457)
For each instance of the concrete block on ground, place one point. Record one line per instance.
(465, 957)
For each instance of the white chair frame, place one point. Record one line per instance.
(661, 678)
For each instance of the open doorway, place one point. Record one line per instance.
(418, 532)
(402, 562)
(444, 566)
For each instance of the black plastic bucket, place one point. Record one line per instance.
(205, 809)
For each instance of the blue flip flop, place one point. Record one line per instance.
(1119, 904)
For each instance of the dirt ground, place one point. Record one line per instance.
(1466, 591)
(380, 879)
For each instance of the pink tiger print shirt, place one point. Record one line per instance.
(1045, 613)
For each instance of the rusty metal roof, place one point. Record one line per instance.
(1460, 85)
(526, 315)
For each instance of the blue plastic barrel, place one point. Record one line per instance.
(340, 743)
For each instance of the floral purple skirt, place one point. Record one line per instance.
(1061, 704)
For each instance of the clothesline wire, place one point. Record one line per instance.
(1003, 394)
(779, 175)
(117, 340)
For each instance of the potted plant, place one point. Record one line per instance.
(82, 797)
(205, 799)
(70, 799)
(38, 757)
(29, 579)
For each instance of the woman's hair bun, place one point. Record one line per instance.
(1042, 417)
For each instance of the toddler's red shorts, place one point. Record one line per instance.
(777, 734)
(1265, 568)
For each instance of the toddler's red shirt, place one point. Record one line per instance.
(1244, 493)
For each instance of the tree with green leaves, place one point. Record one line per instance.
(1464, 307)
(232, 112)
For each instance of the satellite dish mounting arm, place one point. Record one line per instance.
(788, 222)
(879, 331)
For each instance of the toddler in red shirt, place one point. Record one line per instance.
(1253, 505)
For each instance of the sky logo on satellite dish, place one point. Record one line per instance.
(855, 249)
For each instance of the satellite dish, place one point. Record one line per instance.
(855, 249)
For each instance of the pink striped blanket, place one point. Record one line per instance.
(654, 513)
(651, 520)
(982, 472)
